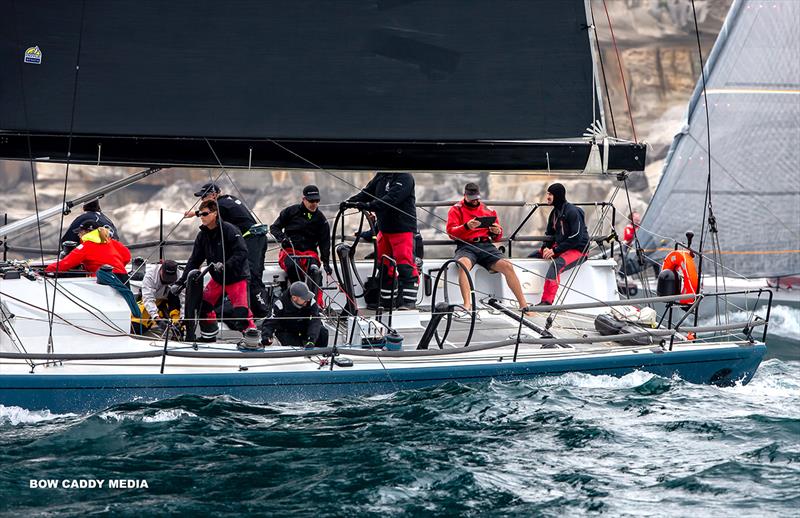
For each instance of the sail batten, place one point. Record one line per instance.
(752, 80)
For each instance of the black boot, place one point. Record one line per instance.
(408, 285)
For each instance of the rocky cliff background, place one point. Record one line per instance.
(655, 41)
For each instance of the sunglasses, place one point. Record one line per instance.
(204, 213)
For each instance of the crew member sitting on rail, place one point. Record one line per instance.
(159, 304)
(474, 227)
(91, 212)
(391, 197)
(222, 246)
(567, 240)
(305, 238)
(97, 248)
(296, 320)
(232, 210)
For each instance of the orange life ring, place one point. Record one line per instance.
(682, 263)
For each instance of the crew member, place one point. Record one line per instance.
(221, 244)
(97, 248)
(232, 210)
(296, 320)
(91, 212)
(391, 197)
(475, 240)
(629, 233)
(305, 238)
(159, 304)
(567, 241)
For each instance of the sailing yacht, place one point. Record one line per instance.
(335, 87)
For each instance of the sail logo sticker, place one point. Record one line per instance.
(33, 55)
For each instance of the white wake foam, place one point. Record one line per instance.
(15, 415)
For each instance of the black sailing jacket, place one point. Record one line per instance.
(304, 322)
(566, 229)
(232, 210)
(307, 230)
(210, 247)
(391, 197)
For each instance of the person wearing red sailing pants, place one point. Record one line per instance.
(302, 230)
(221, 244)
(391, 197)
(232, 210)
(566, 243)
(474, 243)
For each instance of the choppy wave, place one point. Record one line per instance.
(572, 444)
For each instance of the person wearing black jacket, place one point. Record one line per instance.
(305, 238)
(567, 240)
(391, 197)
(296, 320)
(222, 246)
(233, 210)
(91, 213)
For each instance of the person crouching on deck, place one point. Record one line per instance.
(296, 320)
(305, 238)
(475, 238)
(567, 240)
(97, 248)
(222, 246)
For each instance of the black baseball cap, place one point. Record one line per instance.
(299, 289)
(169, 271)
(472, 192)
(207, 188)
(89, 225)
(311, 193)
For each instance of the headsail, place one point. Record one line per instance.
(387, 84)
(753, 88)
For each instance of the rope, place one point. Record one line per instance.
(621, 74)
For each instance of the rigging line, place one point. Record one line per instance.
(743, 190)
(225, 172)
(29, 146)
(603, 69)
(707, 207)
(341, 179)
(69, 158)
(637, 244)
(621, 73)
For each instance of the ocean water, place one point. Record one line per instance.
(568, 445)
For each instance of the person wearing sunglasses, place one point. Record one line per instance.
(305, 237)
(221, 245)
(233, 210)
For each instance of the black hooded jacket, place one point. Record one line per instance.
(224, 244)
(305, 229)
(391, 197)
(566, 228)
(304, 322)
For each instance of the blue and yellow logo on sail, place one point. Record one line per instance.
(33, 55)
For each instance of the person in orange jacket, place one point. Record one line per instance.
(96, 249)
(475, 243)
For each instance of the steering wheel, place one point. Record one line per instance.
(449, 317)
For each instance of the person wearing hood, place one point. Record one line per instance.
(222, 246)
(391, 197)
(475, 242)
(567, 240)
(296, 320)
(97, 248)
(91, 213)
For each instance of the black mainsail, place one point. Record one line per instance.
(753, 88)
(350, 84)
